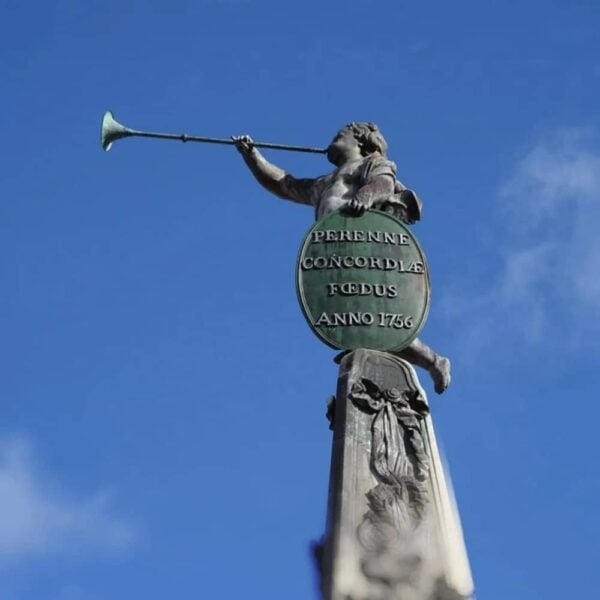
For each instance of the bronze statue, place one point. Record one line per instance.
(364, 178)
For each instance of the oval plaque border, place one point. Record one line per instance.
(304, 304)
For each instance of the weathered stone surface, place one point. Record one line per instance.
(393, 533)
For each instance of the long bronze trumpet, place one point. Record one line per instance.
(112, 131)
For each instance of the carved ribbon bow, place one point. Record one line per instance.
(397, 450)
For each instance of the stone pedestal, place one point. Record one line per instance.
(393, 529)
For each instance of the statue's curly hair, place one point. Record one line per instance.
(369, 138)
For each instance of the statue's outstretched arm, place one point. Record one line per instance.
(270, 176)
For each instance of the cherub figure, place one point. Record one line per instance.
(364, 178)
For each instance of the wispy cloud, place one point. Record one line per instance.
(547, 290)
(38, 517)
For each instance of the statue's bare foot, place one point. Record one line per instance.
(440, 373)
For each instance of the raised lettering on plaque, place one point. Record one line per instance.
(363, 281)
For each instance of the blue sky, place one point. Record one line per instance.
(162, 417)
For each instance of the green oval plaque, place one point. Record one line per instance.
(363, 281)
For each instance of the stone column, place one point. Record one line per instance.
(393, 531)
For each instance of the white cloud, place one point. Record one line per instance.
(547, 291)
(38, 518)
(557, 174)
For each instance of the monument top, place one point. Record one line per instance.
(364, 178)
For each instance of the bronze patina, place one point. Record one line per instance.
(363, 281)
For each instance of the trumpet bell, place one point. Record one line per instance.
(112, 131)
